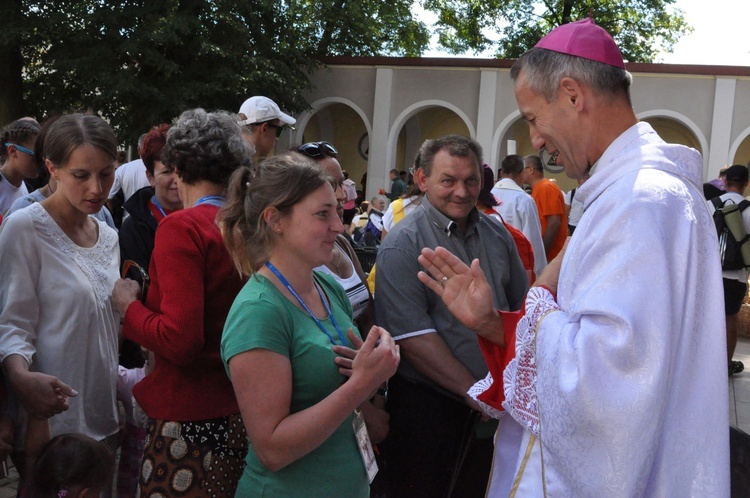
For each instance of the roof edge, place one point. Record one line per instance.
(448, 62)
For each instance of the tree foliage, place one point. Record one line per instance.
(642, 28)
(142, 62)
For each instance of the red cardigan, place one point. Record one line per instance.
(193, 285)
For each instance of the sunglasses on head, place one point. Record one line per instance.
(145, 280)
(21, 148)
(316, 150)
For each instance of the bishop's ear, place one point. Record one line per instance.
(571, 91)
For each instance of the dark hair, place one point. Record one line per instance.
(20, 130)
(71, 131)
(544, 69)
(345, 173)
(279, 182)
(39, 146)
(72, 462)
(456, 145)
(394, 171)
(206, 146)
(512, 164)
(534, 161)
(154, 145)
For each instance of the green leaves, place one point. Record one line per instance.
(642, 28)
(142, 62)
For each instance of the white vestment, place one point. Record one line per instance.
(518, 209)
(623, 379)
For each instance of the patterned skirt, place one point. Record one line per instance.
(195, 459)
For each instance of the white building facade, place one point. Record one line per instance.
(377, 111)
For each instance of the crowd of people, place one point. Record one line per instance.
(228, 318)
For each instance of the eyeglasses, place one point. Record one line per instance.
(21, 148)
(316, 150)
(279, 129)
(145, 280)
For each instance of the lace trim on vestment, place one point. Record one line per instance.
(478, 388)
(519, 378)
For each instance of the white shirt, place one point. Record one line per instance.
(57, 313)
(623, 379)
(576, 207)
(350, 188)
(356, 289)
(410, 204)
(518, 209)
(9, 194)
(130, 177)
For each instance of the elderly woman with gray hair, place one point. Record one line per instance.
(196, 439)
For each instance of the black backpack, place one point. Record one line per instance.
(729, 247)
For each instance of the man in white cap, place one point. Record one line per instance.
(263, 123)
(618, 385)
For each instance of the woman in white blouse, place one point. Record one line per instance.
(58, 264)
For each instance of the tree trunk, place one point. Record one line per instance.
(11, 79)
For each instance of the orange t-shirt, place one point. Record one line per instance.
(550, 201)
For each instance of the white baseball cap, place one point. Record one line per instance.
(261, 109)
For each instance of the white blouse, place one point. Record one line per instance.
(56, 312)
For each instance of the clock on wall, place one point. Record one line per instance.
(549, 161)
(363, 146)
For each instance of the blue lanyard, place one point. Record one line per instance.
(214, 200)
(158, 206)
(299, 299)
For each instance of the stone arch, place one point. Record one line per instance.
(739, 152)
(686, 122)
(498, 148)
(320, 104)
(401, 148)
(334, 119)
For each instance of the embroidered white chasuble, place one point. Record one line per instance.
(623, 378)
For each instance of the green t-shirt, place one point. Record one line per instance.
(262, 317)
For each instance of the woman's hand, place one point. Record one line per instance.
(377, 358)
(42, 395)
(125, 292)
(346, 354)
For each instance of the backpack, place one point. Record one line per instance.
(730, 247)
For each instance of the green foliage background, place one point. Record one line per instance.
(142, 62)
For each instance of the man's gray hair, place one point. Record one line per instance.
(544, 69)
(456, 145)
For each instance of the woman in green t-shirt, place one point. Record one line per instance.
(297, 405)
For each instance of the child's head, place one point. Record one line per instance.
(72, 466)
(17, 147)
